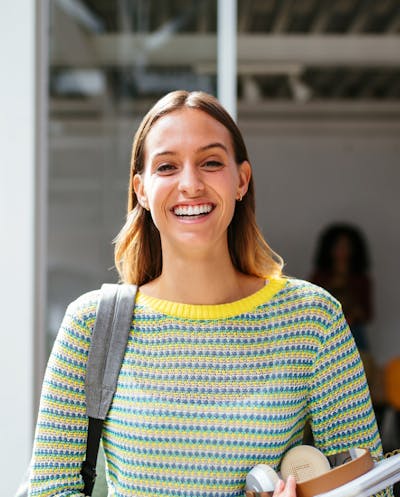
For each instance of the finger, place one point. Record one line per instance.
(290, 487)
(278, 488)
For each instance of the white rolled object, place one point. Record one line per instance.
(262, 478)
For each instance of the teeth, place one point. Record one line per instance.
(192, 210)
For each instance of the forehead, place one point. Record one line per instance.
(186, 128)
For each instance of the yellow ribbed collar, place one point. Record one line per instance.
(217, 311)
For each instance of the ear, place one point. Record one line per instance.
(244, 177)
(138, 186)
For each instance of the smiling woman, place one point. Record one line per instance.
(190, 137)
(190, 183)
(226, 359)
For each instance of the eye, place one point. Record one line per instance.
(213, 164)
(165, 168)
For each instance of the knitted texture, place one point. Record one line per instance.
(205, 393)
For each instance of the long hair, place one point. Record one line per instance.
(359, 257)
(138, 255)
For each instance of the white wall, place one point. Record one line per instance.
(17, 85)
(308, 173)
(311, 173)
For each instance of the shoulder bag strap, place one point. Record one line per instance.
(106, 353)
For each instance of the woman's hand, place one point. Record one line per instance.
(287, 489)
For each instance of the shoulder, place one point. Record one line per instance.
(308, 296)
(313, 311)
(361, 280)
(82, 310)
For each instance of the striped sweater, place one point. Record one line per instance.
(205, 393)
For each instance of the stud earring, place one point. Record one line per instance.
(240, 196)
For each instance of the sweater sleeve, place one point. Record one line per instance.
(60, 438)
(340, 406)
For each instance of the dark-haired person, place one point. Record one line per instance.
(226, 359)
(341, 266)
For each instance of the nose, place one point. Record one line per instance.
(190, 180)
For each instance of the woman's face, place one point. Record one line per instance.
(341, 250)
(191, 180)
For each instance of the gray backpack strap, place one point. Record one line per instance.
(110, 334)
(111, 331)
(106, 353)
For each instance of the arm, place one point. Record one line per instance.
(60, 438)
(366, 300)
(339, 401)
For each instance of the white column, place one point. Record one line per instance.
(17, 249)
(227, 50)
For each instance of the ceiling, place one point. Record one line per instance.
(288, 50)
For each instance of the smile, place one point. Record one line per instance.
(192, 210)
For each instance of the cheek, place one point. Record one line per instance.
(157, 193)
(230, 185)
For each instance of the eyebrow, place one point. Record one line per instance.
(201, 149)
(213, 145)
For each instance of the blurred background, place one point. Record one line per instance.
(316, 93)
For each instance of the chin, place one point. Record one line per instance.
(196, 244)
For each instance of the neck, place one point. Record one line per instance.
(201, 279)
(341, 267)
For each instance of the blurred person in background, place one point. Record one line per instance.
(341, 266)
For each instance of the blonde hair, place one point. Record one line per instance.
(138, 255)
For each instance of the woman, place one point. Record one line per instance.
(226, 359)
(341, 267)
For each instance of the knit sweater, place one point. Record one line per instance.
(205, 393)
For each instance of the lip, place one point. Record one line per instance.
(192, 204)
(193, 218)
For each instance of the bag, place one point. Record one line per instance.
(106, 353)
